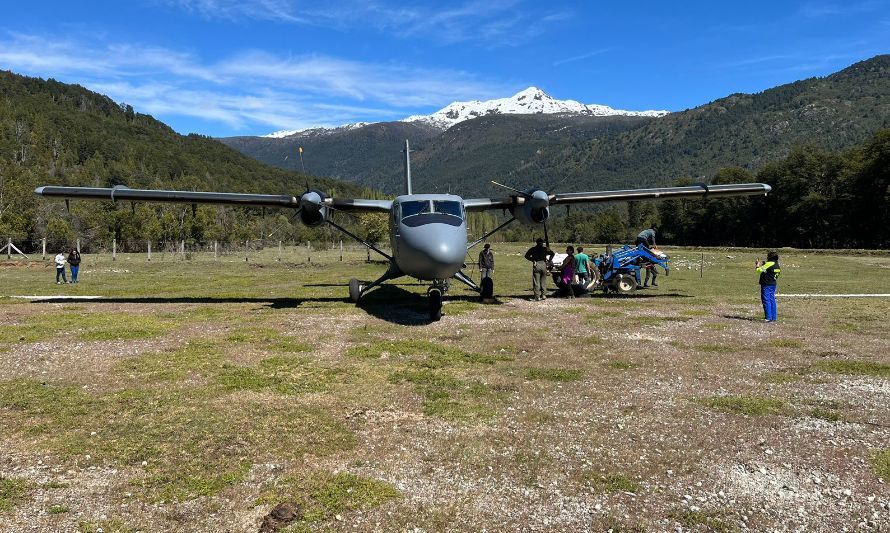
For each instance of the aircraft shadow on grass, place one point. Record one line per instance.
(390, 302)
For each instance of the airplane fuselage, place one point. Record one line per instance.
(428, 234)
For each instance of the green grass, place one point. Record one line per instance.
(58, 509)
(281, 374)
(197, 358)
(267, 339)
(553, 374)
(611, 483)
(715, 348)
(853, 368)
(12, 492)
(324, 496)
(448, 397)
(881, 463)
(622, 365)
(746, 405)
(785, 343)
(825, 414)
(701, 519)
(781, 377)
(195, 441)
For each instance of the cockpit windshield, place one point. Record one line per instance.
(410, 209)
(448, 207)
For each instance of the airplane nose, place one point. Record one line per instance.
(443, 253)
(432, 253)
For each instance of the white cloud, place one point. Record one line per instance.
(249, 90)
(491, 22)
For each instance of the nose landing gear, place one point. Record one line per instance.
(435, 297)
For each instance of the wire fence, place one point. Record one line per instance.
(185, 250)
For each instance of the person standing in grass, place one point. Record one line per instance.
(486, 261)
(582, 267)
(539, 255)
(769, 274)
(74, 262)
(60, 268)
(568, 272)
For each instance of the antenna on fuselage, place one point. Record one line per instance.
(407, 168)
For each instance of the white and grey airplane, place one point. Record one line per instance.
(428, 232)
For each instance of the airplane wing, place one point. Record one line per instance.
(194, 197)
(661, 193)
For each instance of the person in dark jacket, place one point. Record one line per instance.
(74, 263)
(486, 261)
(539, 255)
(769, 274)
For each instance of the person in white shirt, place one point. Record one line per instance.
(60, 268)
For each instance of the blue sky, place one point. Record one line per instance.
(247, 67)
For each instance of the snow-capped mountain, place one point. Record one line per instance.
(527, 102)
(313, 131)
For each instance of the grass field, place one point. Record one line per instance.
(233, 395)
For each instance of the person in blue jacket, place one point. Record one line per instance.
(769, 274)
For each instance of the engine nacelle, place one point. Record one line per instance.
(534, 209)
(313, 211)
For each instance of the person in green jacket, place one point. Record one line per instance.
(769, 274)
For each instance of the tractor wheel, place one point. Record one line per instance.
(355, 290)
(625, 284)
(435, 301)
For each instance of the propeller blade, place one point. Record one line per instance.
(276, 230)
(523, 193)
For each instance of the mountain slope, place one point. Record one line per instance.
(835, 112)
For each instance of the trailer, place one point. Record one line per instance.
(616, 271)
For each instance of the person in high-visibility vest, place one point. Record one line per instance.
(769, 274)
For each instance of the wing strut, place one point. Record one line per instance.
(490, 233)
(359, 239)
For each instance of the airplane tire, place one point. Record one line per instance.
(435, 301)
(625, 284)
(355, 290)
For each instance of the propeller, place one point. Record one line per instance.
(536, 199)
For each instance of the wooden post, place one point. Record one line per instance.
(8, 248)
(78, 245)
(149, 251)
(369, 255)
(114, 249)
(43, 245)
(214, 250)
(309, 250)
(701, 266)
(182, 250)
(279, 251)
(341, 249)
(246, 249)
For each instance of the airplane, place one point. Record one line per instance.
(427, 232)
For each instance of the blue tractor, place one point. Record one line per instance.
(615, 271)
(619, 270)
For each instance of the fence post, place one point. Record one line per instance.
(701, 266)
(78, 245)
(114, 249)
(43, 245)
(368, 260)
(214, 250)
(149, 251)
(341, 249)
(279, 251)
(8, 248)
(246, 249)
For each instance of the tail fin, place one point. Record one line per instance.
(407, 168)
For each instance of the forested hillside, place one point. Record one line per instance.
(746, 130)
(54, 133)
